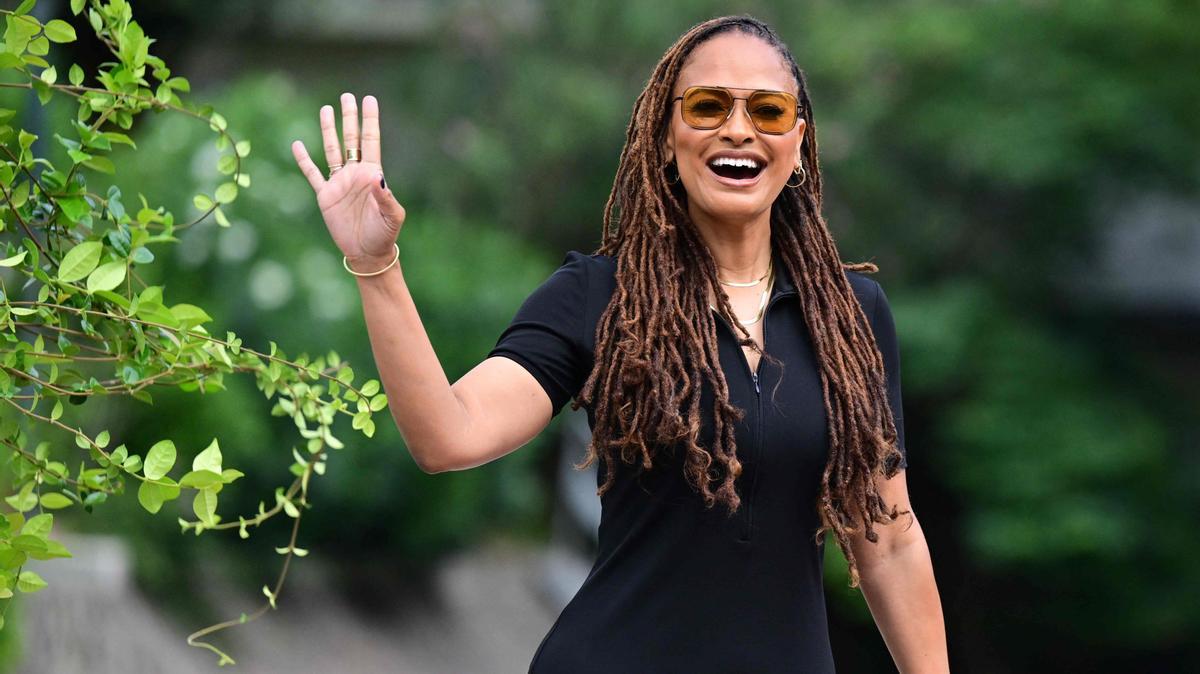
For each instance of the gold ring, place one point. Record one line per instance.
(335, 169)
(351, 154)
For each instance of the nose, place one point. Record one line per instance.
(738, 128)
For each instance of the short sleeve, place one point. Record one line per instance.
(546, 334)
(884, 326)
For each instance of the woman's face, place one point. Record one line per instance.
(742, 63)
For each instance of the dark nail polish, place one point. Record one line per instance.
(383, 183)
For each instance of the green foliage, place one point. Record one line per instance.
(98, 329)
(273, 272)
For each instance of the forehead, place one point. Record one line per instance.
(736, 60)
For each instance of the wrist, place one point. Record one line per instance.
(367, 265)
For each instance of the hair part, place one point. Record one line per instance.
(656, 342)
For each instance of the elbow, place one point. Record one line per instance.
(425, 460)
(433, 460)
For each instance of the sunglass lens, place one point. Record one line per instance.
(772, 112)
(705, 108)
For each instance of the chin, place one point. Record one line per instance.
(734, 207)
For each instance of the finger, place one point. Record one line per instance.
(350, 122)
(370, 130)
(307, 167)
(329, 137)
(391, 209)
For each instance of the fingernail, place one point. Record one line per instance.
(382, 182)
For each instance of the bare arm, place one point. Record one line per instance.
(492, 410)
(896, 575)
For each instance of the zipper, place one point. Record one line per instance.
(758, 434)
(756, 446)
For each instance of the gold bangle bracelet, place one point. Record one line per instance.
(346, 264)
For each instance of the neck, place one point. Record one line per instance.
(742, 250)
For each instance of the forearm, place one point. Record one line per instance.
(902, 594)
(426, 410)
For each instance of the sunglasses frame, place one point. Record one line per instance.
(729, 92)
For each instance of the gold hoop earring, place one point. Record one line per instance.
(799, 170)
(666, 170)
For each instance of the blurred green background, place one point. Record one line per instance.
(1024, 173)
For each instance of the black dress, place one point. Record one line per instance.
(675, 587)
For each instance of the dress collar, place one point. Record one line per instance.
(783, 280)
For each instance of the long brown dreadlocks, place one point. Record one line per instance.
(656, 341)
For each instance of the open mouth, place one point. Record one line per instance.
(736, 169)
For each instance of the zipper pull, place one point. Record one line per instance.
(754, 375)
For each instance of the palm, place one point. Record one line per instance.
(362, 219)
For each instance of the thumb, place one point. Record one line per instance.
(391, 209)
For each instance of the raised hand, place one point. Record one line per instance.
(361, 214)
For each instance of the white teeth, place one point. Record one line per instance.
(730, 161)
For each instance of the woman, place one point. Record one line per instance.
(713, 222)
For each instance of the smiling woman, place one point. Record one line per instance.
(716, 205)
(712, 232)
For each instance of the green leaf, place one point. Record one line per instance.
(209, 459)
(202, 202)
(53, 549)
(152, 495)
(75, 208)
(101, 164)
(142, 255)
(200, 479)
(107, 276)
(23, 501)
(49, 75)
(160, 459)
(189, 315)
(75, 74)
(39, 525)
(379, 402)
(242, 147)
(80, 261)
(205, 506)
(226, 192)
(230, 474)
(30, 544)
(14, 260)
(77, 6)
(133, 464)
(370, 388)
(156, 313)
(39, 46)
(60, 31)
(29, 581)
(55, 500)
(57, 411)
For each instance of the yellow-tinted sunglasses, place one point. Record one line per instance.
(708, 107)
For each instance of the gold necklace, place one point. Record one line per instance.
(749, 284)
(762, 302)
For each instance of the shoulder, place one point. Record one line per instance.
(867, 289)
(595, 274)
